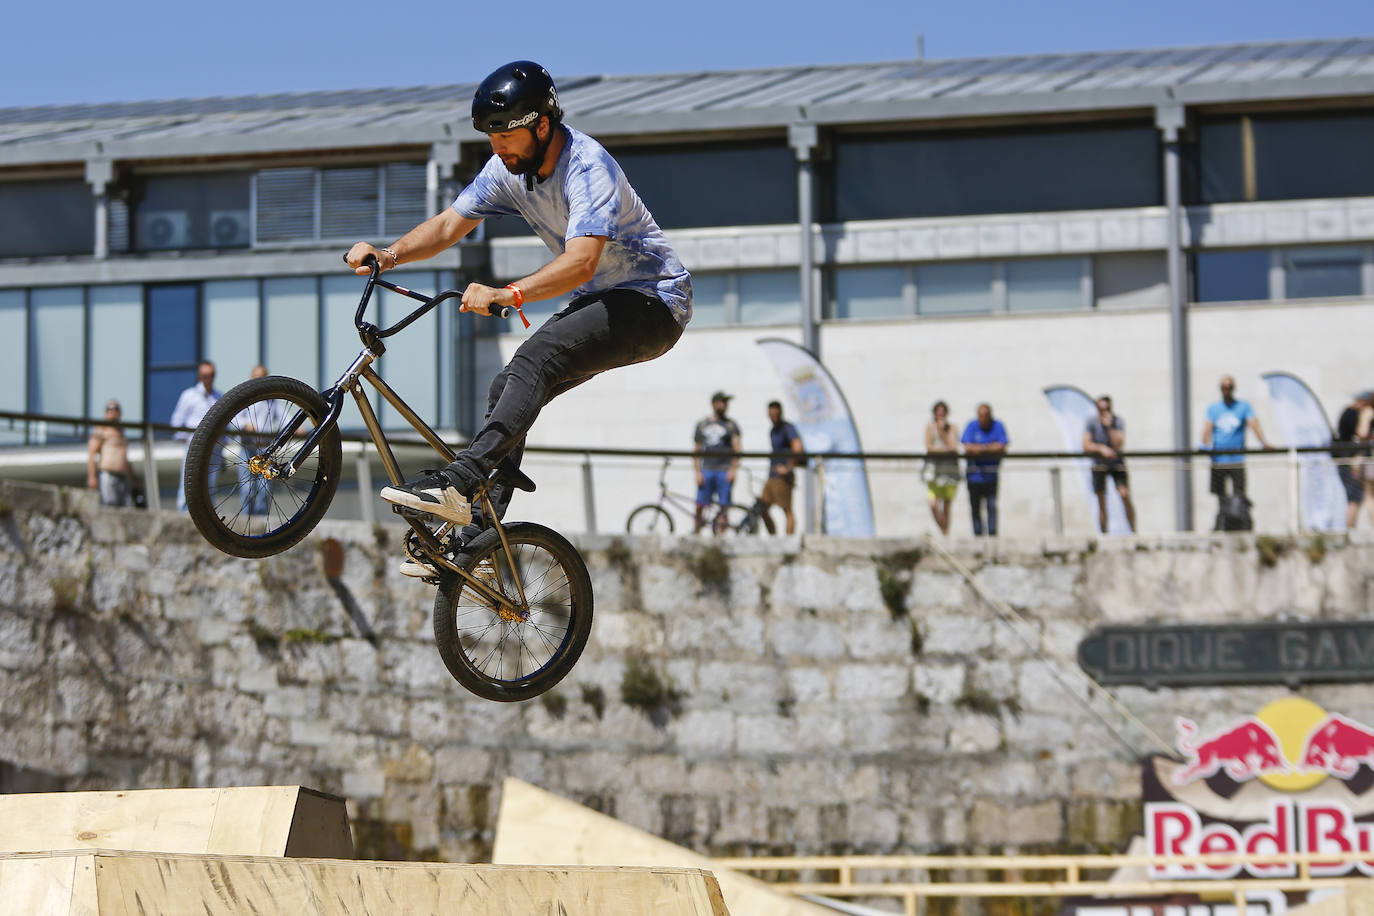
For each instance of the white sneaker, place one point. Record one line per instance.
(433, 494)
(415, 569)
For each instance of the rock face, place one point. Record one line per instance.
(737, 696)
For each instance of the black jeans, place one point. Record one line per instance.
(982, 492)
(594, 333)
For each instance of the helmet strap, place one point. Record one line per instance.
(541, 149)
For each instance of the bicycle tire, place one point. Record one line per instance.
(650, 518)
(507, 660)
(219, 486)
(732, 520)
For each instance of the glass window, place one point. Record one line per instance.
(406, 202)
(173, 335)
(1295, 156)
(286, 204)
(291, 311)
(1231, 276)
(233, 328)
(349, 203)
(1311, 273)
(738, 184)
(303, 204)
(868, 292)
(14, 326)
(411, 362)
(1133, 279)
(1045, 284)
(770, 297)
(192, 211)
(341, 345)
(44, 218)
(950, 289)
(1013, 170)
(708, 300)
(116, 347)
(58, 372)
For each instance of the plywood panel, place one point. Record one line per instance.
(535, 827)
(40, 886)
(251, 820)
(127, 883)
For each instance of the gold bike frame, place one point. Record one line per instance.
(362, 370)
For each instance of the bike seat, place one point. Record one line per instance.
(507, 471)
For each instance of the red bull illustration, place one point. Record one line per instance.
(1338, 746)
(1245, 749)
(1293, 777)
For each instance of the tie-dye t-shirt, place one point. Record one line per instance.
(588, 194)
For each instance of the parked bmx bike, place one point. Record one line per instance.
(513, 608)
(654, 517)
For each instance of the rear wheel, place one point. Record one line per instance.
(234, 492)
(650, 518)
(732, 520)
(520, 650)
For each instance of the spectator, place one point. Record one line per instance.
(192, 406)
(107, 460)
(985, 442)
(717, 456)
(1349, 448)
(777, 491)
(1105, 438)
(254, 495)
(1227, 421)
(941, 469)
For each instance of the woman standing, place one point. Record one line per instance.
(941, 470)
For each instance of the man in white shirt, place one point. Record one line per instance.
(195, 402)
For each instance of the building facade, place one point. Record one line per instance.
(1137, 223)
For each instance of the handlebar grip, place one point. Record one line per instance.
(504, 311)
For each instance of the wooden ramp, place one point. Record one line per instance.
(535, 827)
(249, 821)
(1358, 900)
(86, 883)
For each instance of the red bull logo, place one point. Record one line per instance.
(1251, 747)
(1244, 750)
(1234, 791)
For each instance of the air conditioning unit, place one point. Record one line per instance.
(230, 229)
(160, 229)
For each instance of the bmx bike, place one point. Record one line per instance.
(513, 608)
(654, 517)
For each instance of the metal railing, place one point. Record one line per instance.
(1036, 491)
(936, 876)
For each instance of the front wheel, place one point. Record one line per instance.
(650, 518)
(519, 651)
(234, 491)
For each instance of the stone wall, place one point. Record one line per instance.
(745, 696)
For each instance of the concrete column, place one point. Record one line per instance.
(804, 139)
(443, 157)
(1169, 117)
(99, 174)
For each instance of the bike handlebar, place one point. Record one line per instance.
(374, 279)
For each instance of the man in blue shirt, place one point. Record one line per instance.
(1227, 421)
(631, 296)
(787, 445)
(985, 442)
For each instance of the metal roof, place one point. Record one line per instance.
(687, 102)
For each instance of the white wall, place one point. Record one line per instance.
(892, 371)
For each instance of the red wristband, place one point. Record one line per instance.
(519, 301)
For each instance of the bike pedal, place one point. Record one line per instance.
(407, 512)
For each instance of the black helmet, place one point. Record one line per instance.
(515, 96)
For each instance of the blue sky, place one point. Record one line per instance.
(59, 51)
